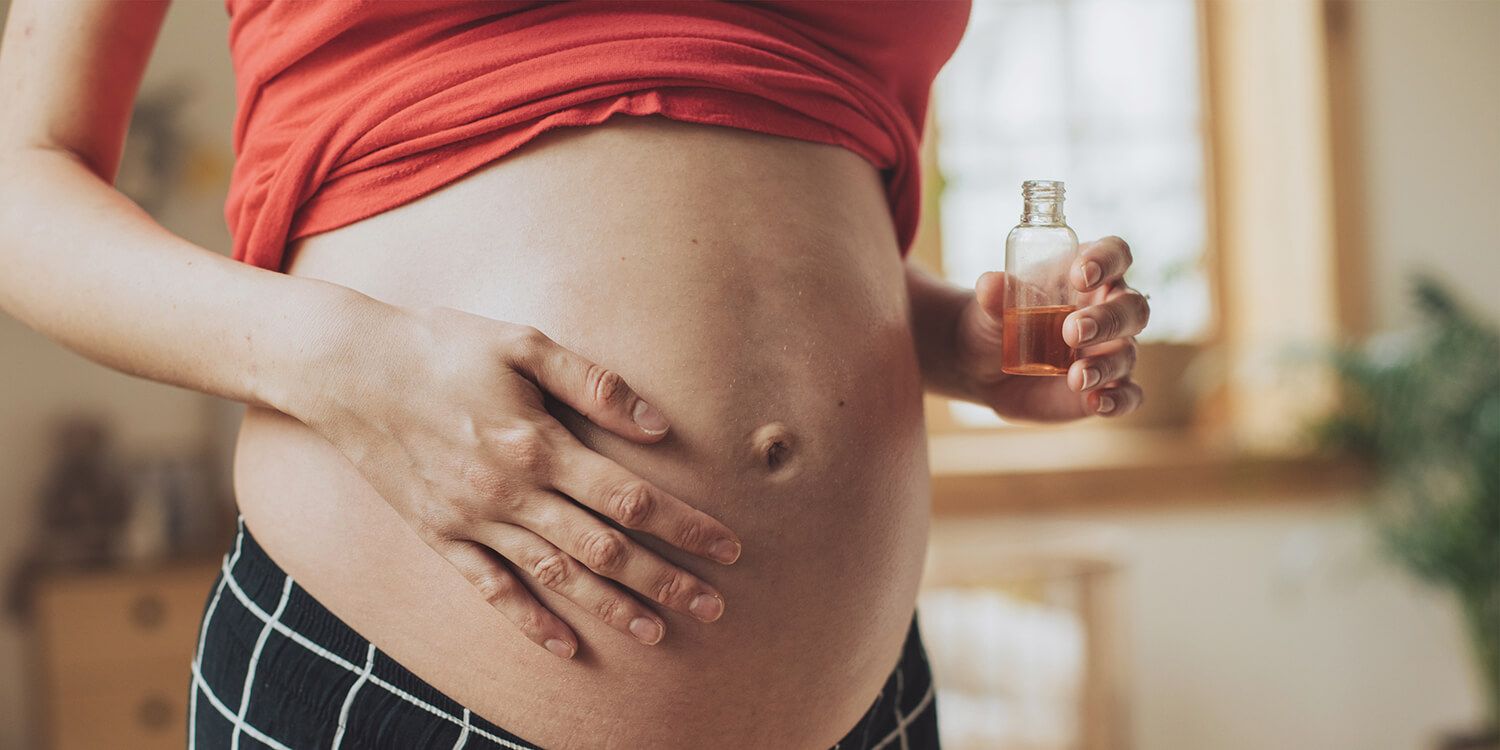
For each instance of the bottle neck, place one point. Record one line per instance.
(1043, 203)
(1044, 213)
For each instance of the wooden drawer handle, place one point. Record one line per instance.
(148, 611)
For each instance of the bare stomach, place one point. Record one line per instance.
(740, 282)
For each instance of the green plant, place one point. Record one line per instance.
(1423, 412)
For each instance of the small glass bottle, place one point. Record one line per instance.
(1039, 256)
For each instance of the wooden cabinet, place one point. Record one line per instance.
(112, 656)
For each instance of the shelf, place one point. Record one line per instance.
(1044, 470)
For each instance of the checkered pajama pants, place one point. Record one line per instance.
(275, 669)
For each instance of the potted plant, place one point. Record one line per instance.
(1422, 411)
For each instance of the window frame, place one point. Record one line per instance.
(1270, 80)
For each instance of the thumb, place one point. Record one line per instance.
(981, 329)
(989, 292)
(599, 394)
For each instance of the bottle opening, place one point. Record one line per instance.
(1043, 202)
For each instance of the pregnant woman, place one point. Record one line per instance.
(582, 368)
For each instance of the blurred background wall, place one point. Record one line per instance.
(1250, 620)
(1426, 105)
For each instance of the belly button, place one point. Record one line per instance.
(773, 447)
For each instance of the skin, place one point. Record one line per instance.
(545, 417)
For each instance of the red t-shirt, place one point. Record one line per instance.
(348, 108)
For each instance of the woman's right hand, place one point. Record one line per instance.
(442, 412)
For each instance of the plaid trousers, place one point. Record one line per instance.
(276, 669)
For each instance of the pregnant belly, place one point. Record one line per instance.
(750, 287)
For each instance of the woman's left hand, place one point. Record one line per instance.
(1102, 332)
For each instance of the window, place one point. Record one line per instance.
(1105, 95)
(1201, 131)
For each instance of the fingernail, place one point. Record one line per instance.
(559, 647)
(646, 630)
(1086, 329)
(1091, 273)
(648, 418)
(725, 551)
(1106, 404)
(1090, 378)
(707, 607)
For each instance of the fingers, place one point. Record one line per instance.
(598, 393)
(1124, 312)
(634, 503)
(1105, 332)
(561, 572)
(1104, 363)
(1100, 263)
(1115, 399)
(499, 586)
(610, 553)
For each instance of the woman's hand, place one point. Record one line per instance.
(442, 412)
(1102, 332)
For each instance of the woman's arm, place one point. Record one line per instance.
(441, 411)
(936, 308)
(88, 268)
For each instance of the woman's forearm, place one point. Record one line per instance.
(83, 265)
(936, 307)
